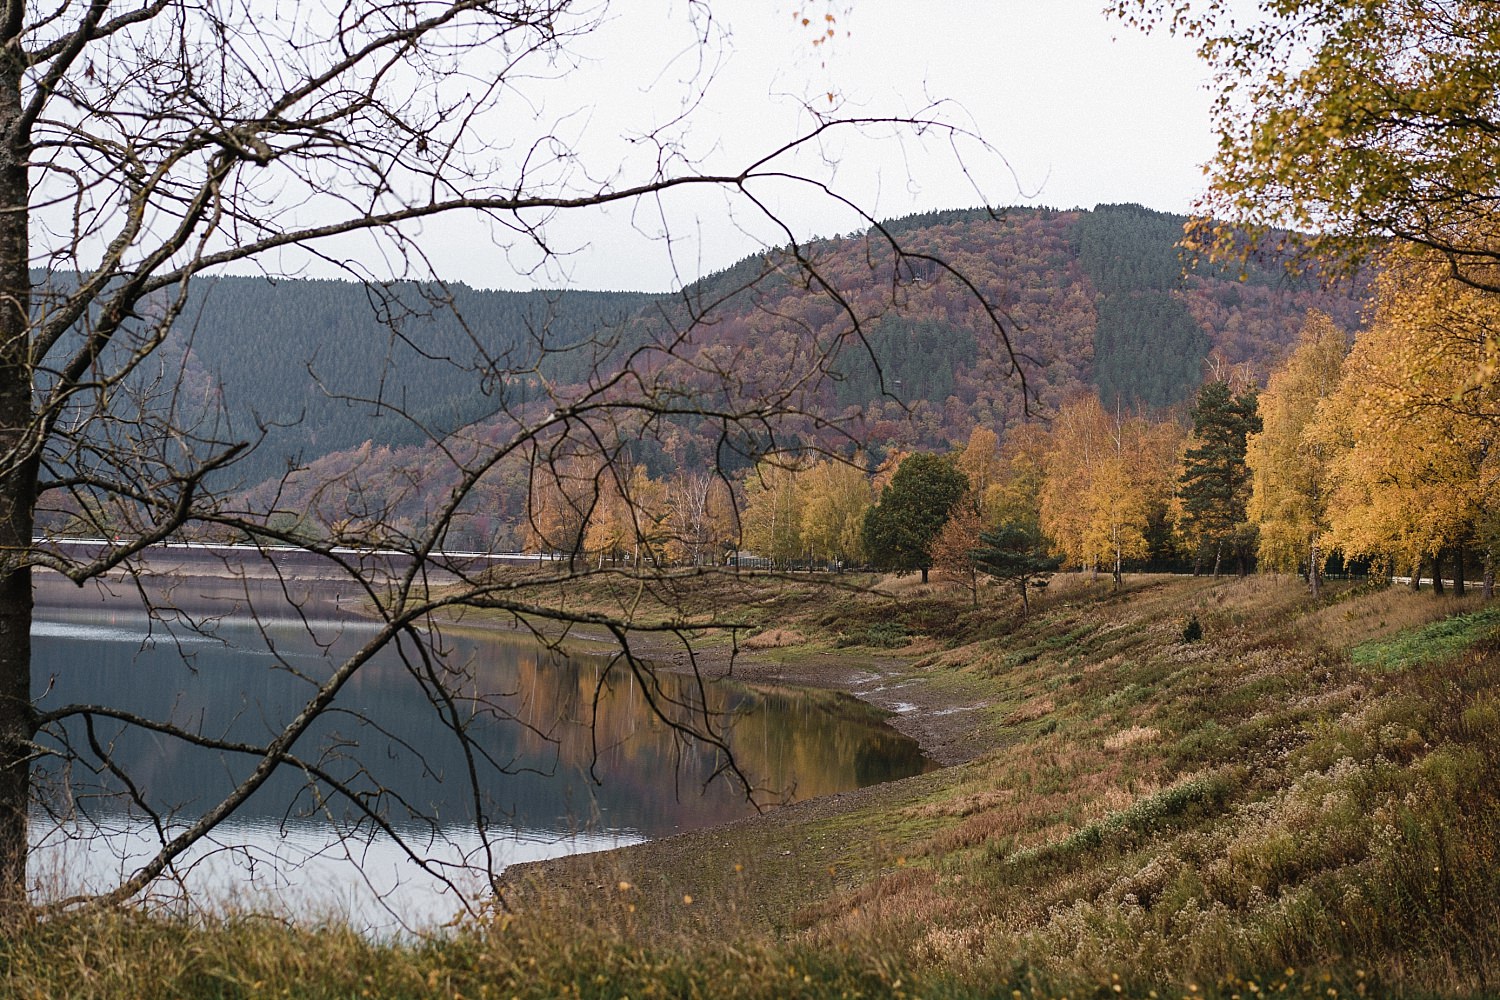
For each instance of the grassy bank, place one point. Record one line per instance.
(1305, 801)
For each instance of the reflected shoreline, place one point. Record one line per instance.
(801, 744)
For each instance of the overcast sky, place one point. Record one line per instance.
(1073, 109)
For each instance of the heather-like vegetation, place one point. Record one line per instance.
(1305, 801)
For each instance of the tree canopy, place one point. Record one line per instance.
(900, 529)
(1411, 426)
(1105, 476)
(1352, 121)
(1288, 461)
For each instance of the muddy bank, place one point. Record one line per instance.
(754, 867)
(947, 725)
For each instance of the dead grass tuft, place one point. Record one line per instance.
(1031, 710)
(921, 645)
(775, 638)
(1131, 737)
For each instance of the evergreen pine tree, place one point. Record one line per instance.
(1017, 553)
(1215, 484)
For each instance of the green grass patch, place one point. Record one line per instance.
(1428, 643)
(1197, 798)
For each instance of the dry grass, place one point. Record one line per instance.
(1033, 709)
(1250, 813)
(1377, 615)
(1133, 736)
(904, 587)
(1236, 832)
(774, 638)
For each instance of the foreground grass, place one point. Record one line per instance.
(1306, 802)
(588, 954)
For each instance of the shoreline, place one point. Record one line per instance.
(950, 723)
(941, 721)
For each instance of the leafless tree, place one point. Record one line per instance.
(147, 143)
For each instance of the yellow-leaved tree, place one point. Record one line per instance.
(1014, 497)
(980, 460)
(627, 517)
(772, 517)
(1288, 465)
(1415, 423)
(1095, 497)
(834, 496)
(1349, 122)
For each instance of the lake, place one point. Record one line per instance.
(558, 753)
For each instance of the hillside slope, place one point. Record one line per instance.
(1090, 299)
(1307, 799)
(1304, 802)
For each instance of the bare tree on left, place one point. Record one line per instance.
(146, 143)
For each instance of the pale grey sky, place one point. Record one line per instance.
(1073, 108)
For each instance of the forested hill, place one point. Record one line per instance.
(323, 366)
(1093, 298)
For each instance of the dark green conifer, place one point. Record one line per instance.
(1215, 483)
(900, 529)
(1017, 553)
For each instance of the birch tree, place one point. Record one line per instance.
(1289, 464)
(1098, 486)
(1349, 121)
(1414, 422)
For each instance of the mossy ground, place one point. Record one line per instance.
(1304, 802)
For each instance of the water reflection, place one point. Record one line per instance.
(524, 746)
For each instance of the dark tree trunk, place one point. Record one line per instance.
(1459, 551)
(1437, 574)
(1314, 568)
(1416, 577)
(924, 574)
(17, 476)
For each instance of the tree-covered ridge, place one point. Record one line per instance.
(377, 363)
(1099, 299)
(1092, 299)
(1129, 255)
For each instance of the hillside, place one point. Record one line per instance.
(1091, 298)
(1304, 802)
(1305, 799)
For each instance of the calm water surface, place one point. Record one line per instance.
(563, 754)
